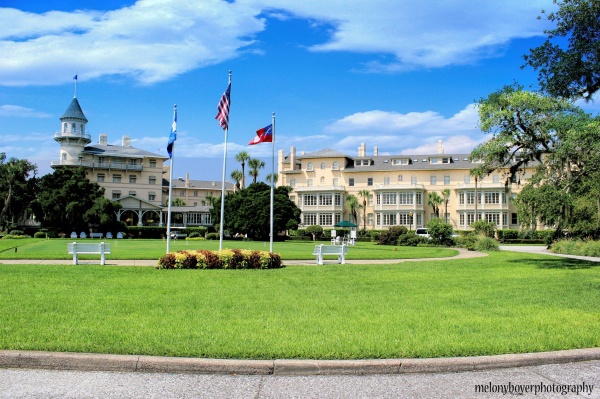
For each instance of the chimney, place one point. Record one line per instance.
(440, 147)
(187, 179)
(293, 158)
(362, 150)
(103, 140)
(375, 151)
(126, 142)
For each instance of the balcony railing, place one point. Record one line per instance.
(400, 186)
(324, 189)
(98, 165)
(73, 135)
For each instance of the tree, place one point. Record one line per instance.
(365, 194)
(237, 176)
(446, 195)
(270, 177)
(248, 211)
(530, 129)
(103, 214)
(573, 72)
(353, 206)
(242, 157)
(65, 197)
(255, 164)
(440, 232)
(434, 200)
(178, 202)
(18, 186)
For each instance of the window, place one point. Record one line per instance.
(64, 156)
(446, 180)
(132, 193)
(433, 160)
(325, 219)
(419, 198)
(325, 199)
(181, 192)
(370, 200)
(153, 163)
(467, 179)
(322, 180)
(195, 193)
(470, 198)
(351, 182)
(132, 162)
(322, 165)
(293, 183)
(514, 219)
(100, 177)
(309, 167)
(389, 219)
(132, 179)
(152, 180)
(335, 181)
(405, 198)
(65, 127)
(461, 198)
(370, 219)
(413, 180)
(116, 178)
(386, 180)
(336, 166)
(491, 198)
(433, 180)
(369, 181)
(492, 217)
(461, 220)
(338, 199)
(388, 198)
(309, 219)
(309, 182)
(496, 179)
(116, 194)
(310, 200)
(151, 196)
(399, 177)
(293, 198)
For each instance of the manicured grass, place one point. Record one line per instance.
(504, 303)
(154, 249)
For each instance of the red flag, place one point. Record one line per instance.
(264, 135)
(223, 108)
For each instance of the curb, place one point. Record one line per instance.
(175, 365)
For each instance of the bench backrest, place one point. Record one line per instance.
(90, 248)
(331, 249)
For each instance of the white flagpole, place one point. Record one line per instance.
(170, 188)
(223, 183)
(272, 179)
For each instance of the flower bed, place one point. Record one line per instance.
(225, 259)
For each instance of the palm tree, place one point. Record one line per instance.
(446, 194)
(237, 176)
(364, 194)
(242, 157)
(255, 164)
(353, 206)
(434, 200)
(270, 177)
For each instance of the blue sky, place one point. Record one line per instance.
(396, 74)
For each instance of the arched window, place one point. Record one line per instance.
(73, 127)
(336, 165)
(322, 179)
(65, 127)
(322, 165)
(309, 167)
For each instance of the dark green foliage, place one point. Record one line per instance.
(315, 231)
(467, 241)
(212, 236)
(508, 234)
(247, 211)
(484, 228)
(486, 244)
(411, 239)
(390, 237)
(440, 232)
(39, 234)
(155, 232)
(18, 187)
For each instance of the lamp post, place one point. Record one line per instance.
(410, 215)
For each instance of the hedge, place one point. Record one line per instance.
(224, 259)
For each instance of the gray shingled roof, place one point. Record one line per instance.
(74, 111)
(201, 184)
(325, 153)
(119, 151)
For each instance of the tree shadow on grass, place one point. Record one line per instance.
(556, 262)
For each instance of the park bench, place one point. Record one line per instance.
(176, 235)
(96, 235)
(324, 250)
(86, 249)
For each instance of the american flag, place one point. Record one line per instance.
(223, 108)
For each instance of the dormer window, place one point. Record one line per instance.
(309, 167)
(335, 166)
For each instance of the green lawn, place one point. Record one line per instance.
(153, 249)
(504, 303)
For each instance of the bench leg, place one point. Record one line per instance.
(319, 259)
(74, 258)
(102, 259)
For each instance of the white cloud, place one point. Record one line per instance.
(155, 40)
(17, 111)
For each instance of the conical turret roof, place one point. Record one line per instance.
(74, 111)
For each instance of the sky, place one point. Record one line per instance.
(396, 74)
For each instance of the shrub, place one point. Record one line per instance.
(410, 239)
(508, 234)
(316, 231)
(484, 228)
(467, 241)
(39, 234)
(486, 244)
(225, 259)
(17, 233)
(440, 232)
(212, 236)
(390, 237)
(166, 261)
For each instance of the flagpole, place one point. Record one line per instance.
(272, 179)
(171, 185)
(223, 182)
(75, 78)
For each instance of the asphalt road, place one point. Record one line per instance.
(553, 379)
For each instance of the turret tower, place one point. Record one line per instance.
(72, 136)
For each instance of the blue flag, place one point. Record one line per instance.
(173, 135)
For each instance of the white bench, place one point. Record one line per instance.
(339, 250)
(96, 235)
(177, 235)
(94, 249)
